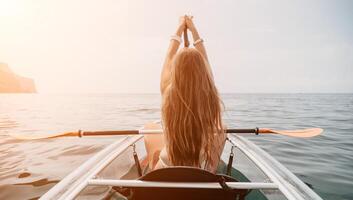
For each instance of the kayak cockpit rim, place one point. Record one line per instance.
(85, 175)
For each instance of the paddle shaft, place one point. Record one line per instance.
(143, 132)
(303, 133)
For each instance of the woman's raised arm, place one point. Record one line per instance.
(198, 42)
(173, 48)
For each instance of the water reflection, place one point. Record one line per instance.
(29, 168)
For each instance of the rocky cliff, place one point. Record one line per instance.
(13, 83)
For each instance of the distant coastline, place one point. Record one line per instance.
(10, 82)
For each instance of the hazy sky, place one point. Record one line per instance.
(118, 46)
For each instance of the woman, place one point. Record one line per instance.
(191, 109)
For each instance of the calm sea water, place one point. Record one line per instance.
(29, 168)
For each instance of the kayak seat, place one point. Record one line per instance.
(186, 174)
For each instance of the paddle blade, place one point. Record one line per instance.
(42, 136)
(304, 133)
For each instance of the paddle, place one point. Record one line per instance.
(304, 133)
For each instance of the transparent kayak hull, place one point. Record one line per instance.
(115, 165)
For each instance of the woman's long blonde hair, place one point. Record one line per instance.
(191, 110)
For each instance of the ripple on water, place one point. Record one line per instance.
(30, 168)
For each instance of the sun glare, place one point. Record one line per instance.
(10, 8)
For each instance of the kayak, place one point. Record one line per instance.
(119, 170)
